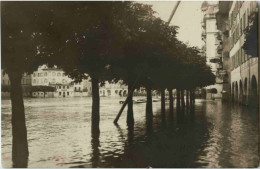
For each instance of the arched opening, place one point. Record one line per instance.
(232, 92)
(236, 92)
(108, 92)
(245, 92)
(254, 93)
(125, 93)
(240, 92)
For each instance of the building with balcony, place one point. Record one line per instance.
(64, 86)
(233, 20)
(212, 47)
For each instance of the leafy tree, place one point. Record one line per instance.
(21, 30)
(250, 45)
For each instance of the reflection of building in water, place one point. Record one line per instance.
(234, 20)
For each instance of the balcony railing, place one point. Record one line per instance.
(215, 60)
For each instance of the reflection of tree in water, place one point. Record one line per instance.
(176, 145)
(95, 143)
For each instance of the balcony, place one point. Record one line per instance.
(215, 60)
(219, 49)
(203, 34)
(219, 80)
(203, 24)
(222, 72)
(220, 67)
(219, 36)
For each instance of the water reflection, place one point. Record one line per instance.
(95, 149)
(209, 134)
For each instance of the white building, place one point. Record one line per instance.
(209, 36)
(114, 90)
(65, 86)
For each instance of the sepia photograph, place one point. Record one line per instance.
(130, 84)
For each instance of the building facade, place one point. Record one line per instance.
(64, 86)
(5, 84)
(113, 89)
(234, 20)
(210, 37)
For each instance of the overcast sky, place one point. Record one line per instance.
(188, 17)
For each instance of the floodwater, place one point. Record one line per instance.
(59, 135)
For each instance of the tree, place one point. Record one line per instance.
(20, 54)
(250, 45)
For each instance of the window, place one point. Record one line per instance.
(45, 80)
(67, 87)
(63, 87)
(68, 93)
(79, 88)
(34, 74)
(45, 74)
(60, 93)
(34, 81)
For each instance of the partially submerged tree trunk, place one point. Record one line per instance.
(130, 112)
(163, 104)
(178, 103)
(20, 151)
(182, 99)
(191, 100)
(95, 104)
(171, 102)
(149, 105)
(95, 143)
(187, 98)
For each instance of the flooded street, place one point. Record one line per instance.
(59, 135)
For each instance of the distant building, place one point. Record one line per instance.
(5, 84)
(110, 89)
(64, 85)
(211, 47)
(233, 20)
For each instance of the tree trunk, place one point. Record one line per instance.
(191, 100)
(187, 98)
(163, 104)
(178, 102)
(193, 96)
(20, 151)
(130, 112)
(149, 105)
(95, 104)
(182, 99)
(95, 144)
(171, 103)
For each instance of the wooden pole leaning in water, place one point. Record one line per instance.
(133, 87)
(126, 102)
